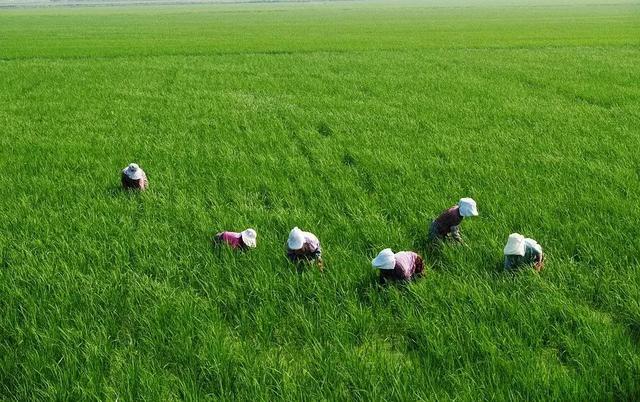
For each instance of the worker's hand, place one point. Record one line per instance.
(538, 266)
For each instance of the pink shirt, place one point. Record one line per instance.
(312, 241)
(233, 239)
(406, 263)
(310, 249)
(408, 266)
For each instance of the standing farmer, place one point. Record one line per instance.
(401, 266)
(304, 246)
(134, 178)
(447, 225)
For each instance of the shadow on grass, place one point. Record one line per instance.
(372, 291)
(497, 270)
(302, 265)
(432, 248)
(368, 290)
(119, 192)
(115, 191)
(219, 247)
(422, 242)
(634, 331)
(4, 258)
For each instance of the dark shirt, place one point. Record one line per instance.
(310, 250)
(531, 257)
(447, 219)
(139, 184)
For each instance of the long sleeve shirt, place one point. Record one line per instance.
(139, 184)
(532, 256)
(233, 239)
(449, 218)
(310, 250)
(408, 266)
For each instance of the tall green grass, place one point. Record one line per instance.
(358, 122)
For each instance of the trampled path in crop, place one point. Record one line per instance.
(357, 121)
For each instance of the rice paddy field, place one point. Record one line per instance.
(358, 121)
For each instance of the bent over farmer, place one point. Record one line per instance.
(304, 246)
(401, 266)
(447, 225)
(521, 251)
(238, 240)
(134, 178)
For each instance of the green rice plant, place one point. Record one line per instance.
(357, 121)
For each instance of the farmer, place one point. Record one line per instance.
(447, 225)
(242, 241)
(521, 251)
(304, 246)
(134, 178)
(401, 266)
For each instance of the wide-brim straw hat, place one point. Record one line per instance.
(249, 237)
(133, 171)
(468, 207)
(515, 245)
(296, 239)
(386, 259)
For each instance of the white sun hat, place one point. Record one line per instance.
(384, 260)
(296, 239)
(249, 237)
(468, 207)
(515, 245)
(133, 171)
(534, 244)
